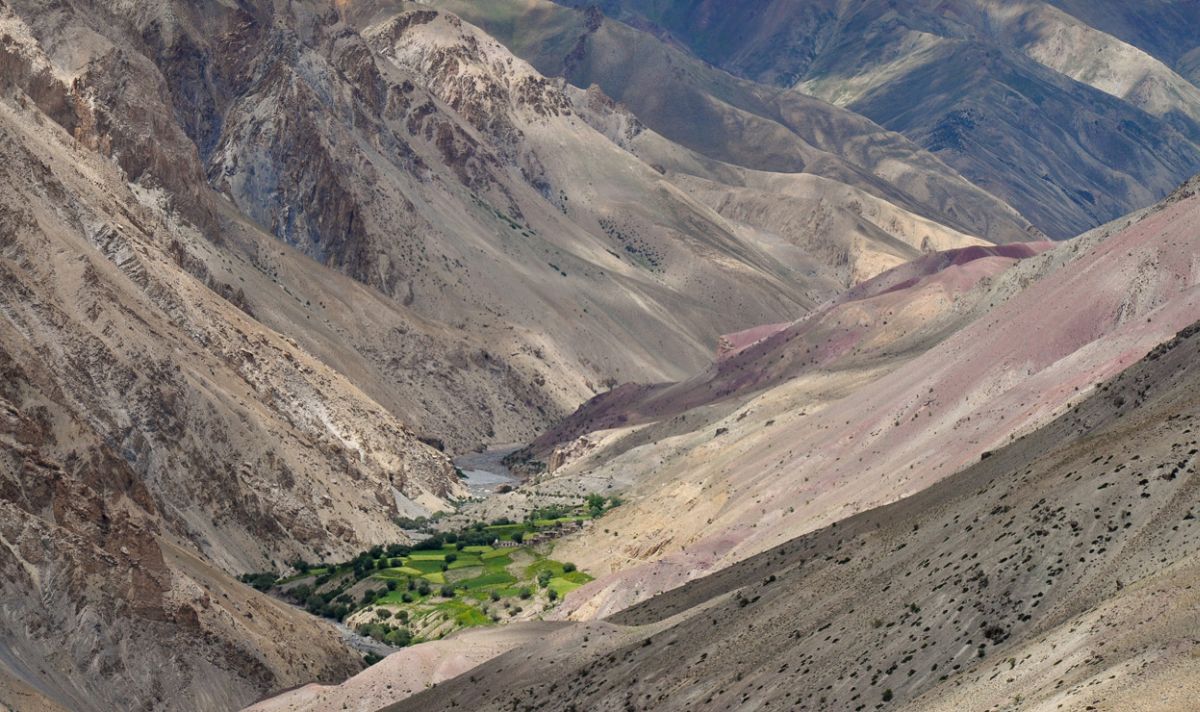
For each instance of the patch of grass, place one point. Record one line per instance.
(397, 597)
(425, 566)
(466, 562)
(554, 567)
(492, 578)
(462, 613)
(506, 531)
(427, 556)
(563, 585)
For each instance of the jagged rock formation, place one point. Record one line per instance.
(104, 606)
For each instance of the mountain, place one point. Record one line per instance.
(738, 122)
(264, 264)
(1058, 573)
(267, 267)
(1046, 105)
(1008, 507)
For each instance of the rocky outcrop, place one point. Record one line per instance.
(95, 592)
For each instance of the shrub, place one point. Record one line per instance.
(887, 695)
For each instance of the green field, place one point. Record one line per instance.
(379, 592)
(481, 578)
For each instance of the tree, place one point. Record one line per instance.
(518, 537)
(595, 504)
(526, 593)
(552, 594)
(447, 591)
(543, 578)
(568, 567)
(398, 637)
(887, 695)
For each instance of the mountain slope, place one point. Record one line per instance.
(843, 435)
(100, 597)
(1056, 574)
(1074, 113)
(736, 122)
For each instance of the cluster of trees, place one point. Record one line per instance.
(386, 633)
(598, 504)
(261, 581)
(335, 603)
(553, 511)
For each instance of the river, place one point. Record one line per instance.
(485, 471)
